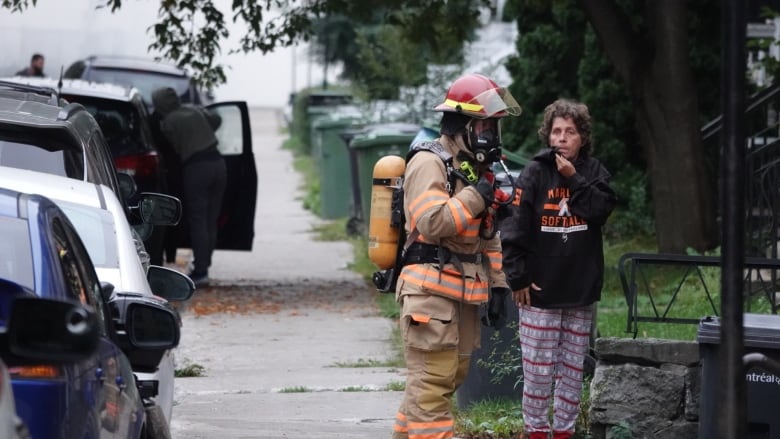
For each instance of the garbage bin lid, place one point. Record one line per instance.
(328, 98)
(337, 120)
(760, 330)
(392, 129)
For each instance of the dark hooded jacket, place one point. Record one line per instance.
(552, 236)
(189, 128)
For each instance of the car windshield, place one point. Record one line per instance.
(16, 262)
(119, 121)
(96, 230)
(48, 158)
(145, 82)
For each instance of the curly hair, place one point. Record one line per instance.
(577, 112)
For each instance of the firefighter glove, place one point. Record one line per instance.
(495, 311)
(485, 188)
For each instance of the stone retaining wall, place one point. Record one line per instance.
(648, 386)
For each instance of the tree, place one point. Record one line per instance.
(646, 44)
(190, 33)
(650, 88)
(378, 56)
(654, 65)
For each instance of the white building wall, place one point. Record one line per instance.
(66, 30)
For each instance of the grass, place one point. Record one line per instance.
(360, 363)
(489, 419)
(357, 389)
(190, 371)
(395, 386)
(295, 389)
(334, 230)
(306, 167)
(691, 300)
(503, 418)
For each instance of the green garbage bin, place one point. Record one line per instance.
(374, 143)
(330, 155)
(318, 103)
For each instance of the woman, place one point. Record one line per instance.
(554, 264)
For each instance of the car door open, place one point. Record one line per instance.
(237, 219)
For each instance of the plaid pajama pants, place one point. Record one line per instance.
(554, 343)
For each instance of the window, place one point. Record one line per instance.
(97, 231)
(74, 285)
(34, 158)
(119, 121)
(100, 163)
(16, 263)
(80, 278)
(230, 132)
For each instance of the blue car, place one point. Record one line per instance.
(94, 397)
(70, 335)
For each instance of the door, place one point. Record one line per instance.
(117, 406)
(237, 219)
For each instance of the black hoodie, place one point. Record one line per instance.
(188, 128)
(552, 236)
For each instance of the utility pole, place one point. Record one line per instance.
(731, 397)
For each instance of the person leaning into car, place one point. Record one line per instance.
(190, 130)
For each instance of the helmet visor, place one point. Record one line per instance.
(497, 100)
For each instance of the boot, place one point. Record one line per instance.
(538, 435)
(563, 435)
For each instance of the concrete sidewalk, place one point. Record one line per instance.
(284, 248)
(278, 334)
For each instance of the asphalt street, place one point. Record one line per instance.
(280, 333)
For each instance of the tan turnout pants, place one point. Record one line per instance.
(439, 336)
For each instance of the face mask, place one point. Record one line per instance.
(484, 139)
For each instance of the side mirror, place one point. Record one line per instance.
(151, 327)
(170, 284)
(127, 185)
(106, 290)
(50, 331)
(147, 326)
(159, 209)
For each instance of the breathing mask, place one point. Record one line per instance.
(484, 139)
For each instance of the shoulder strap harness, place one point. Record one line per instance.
(445, 156)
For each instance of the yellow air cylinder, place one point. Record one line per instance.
(382, 237)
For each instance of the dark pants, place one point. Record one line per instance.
(204, 184)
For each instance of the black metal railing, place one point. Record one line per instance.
(762, 222)
(637, 282)
(761, 111)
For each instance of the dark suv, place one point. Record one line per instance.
(41, 132)
(123, 118)
(144, 74)
(121, 114)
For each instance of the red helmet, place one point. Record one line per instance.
(477, 96)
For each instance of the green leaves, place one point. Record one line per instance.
(17, 5)
(189, 33)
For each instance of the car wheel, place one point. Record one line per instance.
(156, 425)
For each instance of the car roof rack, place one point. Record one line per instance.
(39, 90)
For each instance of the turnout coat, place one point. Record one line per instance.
(452, 222)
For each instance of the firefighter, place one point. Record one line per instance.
(452, 265)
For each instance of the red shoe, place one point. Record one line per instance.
(539, 435)
(562, 435)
